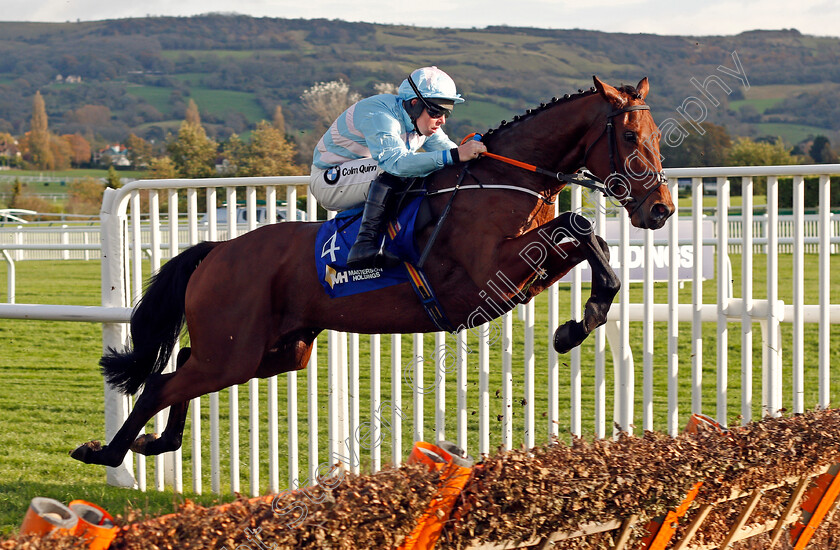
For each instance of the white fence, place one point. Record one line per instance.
(494, 385)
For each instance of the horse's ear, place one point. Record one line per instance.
(609, 93)
(643, 87)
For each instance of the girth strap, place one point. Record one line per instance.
(425, 292)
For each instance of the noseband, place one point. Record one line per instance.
(601, 185)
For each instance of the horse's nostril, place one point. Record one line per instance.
(660, 212)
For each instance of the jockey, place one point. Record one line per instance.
(364, 156)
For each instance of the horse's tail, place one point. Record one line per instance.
(155, 323)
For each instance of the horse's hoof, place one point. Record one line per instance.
(139, 445)
(568, 336)
(84, 452)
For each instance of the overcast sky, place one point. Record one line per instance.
(698, 18)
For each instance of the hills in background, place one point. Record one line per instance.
(239, 68)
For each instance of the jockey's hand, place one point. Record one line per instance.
(470, 150)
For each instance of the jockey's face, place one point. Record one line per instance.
(428, 125)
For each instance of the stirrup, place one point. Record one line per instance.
(372, 256)
(385, 259)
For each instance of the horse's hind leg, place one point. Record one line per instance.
(170, 439)
(146, 406)
(605, 285)
(163, 390)
(289, 353)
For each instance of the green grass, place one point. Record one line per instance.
(215, 102)
(190, 79)
(74, 173)
(168, 125)
(60, 187)
(51, 398)
(220, 102)
(156, 96)
(761, 105)
(51, 395)
(483, 114)
(174, 55)
(710, 201)
(791, 133)
(774, 91)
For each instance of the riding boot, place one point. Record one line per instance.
(369, 248)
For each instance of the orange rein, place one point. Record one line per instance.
(518, 163)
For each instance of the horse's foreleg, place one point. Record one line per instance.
(540, 257)
(605, 285)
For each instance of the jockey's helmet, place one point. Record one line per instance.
(434, 88)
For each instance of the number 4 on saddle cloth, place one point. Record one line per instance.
(336, 236)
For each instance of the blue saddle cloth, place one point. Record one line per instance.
(336, 236)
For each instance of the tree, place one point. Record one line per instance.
(193, 153)
(162, 168)
(17, 194)
(327, 100)
(708, 149)
(749, 113)
(84, 196)
(79, 149)
(28, 201)
(93, 116)
(746, 152)
(268, 153)
(234, 151)
(279, 121)
(139, 151)
(821, 151)
(385, 88)
(62, 153)
(40, 153)
(9, 150)
(7, 140)
(113, 179)
(191, 115)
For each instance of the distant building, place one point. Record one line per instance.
(225, 168)
(113, 155)
(69, 79)
(9, 152)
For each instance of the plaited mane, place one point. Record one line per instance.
(543, 106)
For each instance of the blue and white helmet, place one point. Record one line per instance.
(431, 83)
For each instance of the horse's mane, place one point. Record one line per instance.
(624, 88)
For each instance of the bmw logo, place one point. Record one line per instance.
(331, 175)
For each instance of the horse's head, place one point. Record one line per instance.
(622, 150)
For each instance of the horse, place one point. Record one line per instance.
(272, 305)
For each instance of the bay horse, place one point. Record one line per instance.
(253, 305)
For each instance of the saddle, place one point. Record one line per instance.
(336, 236)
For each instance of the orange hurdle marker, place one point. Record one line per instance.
(455, 470)
(47, 515)
(95, 524)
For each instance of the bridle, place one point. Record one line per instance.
(606, 187)
(584, 178)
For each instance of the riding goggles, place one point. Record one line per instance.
(437, 111)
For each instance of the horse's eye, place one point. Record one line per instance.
(630, 136)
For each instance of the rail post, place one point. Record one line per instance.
(113, 224)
